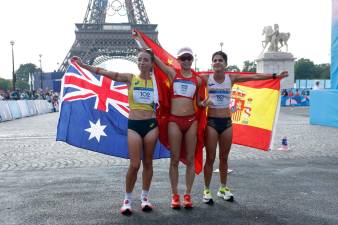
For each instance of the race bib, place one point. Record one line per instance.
(219, 97)
(184, 88)
(143, 95)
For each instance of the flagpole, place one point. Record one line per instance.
(275, 121)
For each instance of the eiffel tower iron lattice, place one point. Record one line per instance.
(98, 41)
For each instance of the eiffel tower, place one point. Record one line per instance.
(98, 41)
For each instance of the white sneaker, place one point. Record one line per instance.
(207, 197)
(126, 208)
(225, 193)
(145, 204)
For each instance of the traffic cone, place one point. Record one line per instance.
(284, 146)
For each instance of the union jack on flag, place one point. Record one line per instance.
(94, 113)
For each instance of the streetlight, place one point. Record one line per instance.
(40, 71)
(221, 44)
(13, 74)
(195, 61)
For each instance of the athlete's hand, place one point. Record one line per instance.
(283, 74)
(205, 102)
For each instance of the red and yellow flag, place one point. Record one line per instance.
(254, 106)
(163, 111)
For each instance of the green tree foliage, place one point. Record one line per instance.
(323, 71)
(22, 75)
(305, 69)
(233, 68)
(5, 84)
(249, 66)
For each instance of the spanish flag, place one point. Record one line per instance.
(254, 110)
(254, 106)
(163, 111)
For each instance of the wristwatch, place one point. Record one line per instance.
(274, 76)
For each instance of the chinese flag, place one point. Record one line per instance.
(163, 111)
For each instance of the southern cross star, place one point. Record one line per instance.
(96, 130)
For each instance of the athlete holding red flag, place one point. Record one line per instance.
(183, 125)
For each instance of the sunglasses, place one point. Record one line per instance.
(186, 57)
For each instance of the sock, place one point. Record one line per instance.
(128, 196)
(144, 194)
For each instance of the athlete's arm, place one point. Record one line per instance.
(121, 77)
(258, 76)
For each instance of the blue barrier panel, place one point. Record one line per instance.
(23, 108)
(15, 110)
(31, 107)
(324, 107)
(5, 112)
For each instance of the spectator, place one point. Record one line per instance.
(316, 86)
(290, 93)
(297, 93)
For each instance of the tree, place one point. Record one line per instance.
(5, 84)
(249, 66)
(305, 69)
(233, 68)
(22, 75)
(323, 71)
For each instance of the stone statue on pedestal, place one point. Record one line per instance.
(275, 38)
(274, 60)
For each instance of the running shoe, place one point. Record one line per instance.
(187, 202)
(146, 205)
(225, 193)
(175, 202)
(207, 197)
(126, 208)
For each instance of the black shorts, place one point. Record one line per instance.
(142, 127)
(219, 124)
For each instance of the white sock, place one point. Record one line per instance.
(144, 194)
(128, 196)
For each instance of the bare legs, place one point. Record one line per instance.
(224, 140)
(135, 146)
(175, 140)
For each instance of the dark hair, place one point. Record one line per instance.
(150, 52)
(224, 56)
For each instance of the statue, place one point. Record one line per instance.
(275, 38)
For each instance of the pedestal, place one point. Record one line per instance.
(276, 62)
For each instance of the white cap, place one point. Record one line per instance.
(184, 50)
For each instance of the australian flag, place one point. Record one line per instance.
(94, 114)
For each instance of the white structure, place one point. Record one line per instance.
(274, 60)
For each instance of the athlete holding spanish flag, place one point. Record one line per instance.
(219, 124)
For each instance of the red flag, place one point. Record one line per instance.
(163, 111)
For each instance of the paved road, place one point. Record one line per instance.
(48, 182)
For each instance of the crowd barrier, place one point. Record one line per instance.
(295, 101)
(10, 110)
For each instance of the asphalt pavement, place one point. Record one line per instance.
(47, 182)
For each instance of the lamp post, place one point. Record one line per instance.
(195, 61)
(13, 73)
(221, 44)
(40, 72)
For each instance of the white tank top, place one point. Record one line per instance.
(219, 93)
